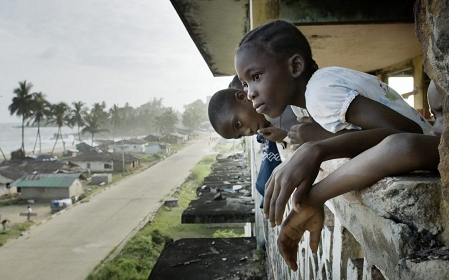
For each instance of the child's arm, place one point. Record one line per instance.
(399, 153)
(308, 130)
(302, 168)
(377, 122)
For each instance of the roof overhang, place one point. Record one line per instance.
(361, 35)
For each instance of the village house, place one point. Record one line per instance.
(133, 145)
(12, 170)
(46, 187)
(154, 148)
(152, 138)
(98, 161)
(174, 138)
(83, 147)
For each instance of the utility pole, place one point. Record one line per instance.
(123, 154)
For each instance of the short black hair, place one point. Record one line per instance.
(219, 104)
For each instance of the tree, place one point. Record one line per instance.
(115, 118)
(200, 108)
(94, 124)
(22, 106)
(76, 116)
(99, 110)
(191, 118)
(59, 117)
(167, 121)
(40, 110)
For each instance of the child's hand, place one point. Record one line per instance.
(298, 221)
(306, 131)
(272, 133)
(298, 172)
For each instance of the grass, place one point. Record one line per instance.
(140, 254)
(13, 231)
(177, 147)
(151, 157)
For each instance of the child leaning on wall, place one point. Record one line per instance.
(275, 64)
(396, 154)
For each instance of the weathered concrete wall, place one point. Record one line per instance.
(392, 230)
(432, 30)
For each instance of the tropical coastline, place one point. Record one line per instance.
(11, 139)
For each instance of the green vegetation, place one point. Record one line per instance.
(151, 158)
(140, 254)
(260, 256)
(13, 231)
(149, 118)
(177, 147)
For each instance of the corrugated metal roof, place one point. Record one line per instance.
(46, 180)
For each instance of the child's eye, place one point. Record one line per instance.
(256, 76)
(244, 85)
(238, 124)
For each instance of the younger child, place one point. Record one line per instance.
(274, 63)
(396, 154)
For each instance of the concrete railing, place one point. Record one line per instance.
(391, 230)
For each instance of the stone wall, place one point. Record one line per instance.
(392, 230)
(432, 30)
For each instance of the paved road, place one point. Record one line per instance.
(70, 245)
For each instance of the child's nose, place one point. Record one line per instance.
(252, 94)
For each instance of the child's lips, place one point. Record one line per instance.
(259, 108)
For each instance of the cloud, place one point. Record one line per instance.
(93, 51)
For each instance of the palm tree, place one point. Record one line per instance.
(41, 109)
(59, 117)
(94, 125)
(76, 116)
(22, 106)
(115, 118)
(167, 121)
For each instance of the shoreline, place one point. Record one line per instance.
(57, 152)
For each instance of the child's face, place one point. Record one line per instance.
(241, 119)
(436, 107)
(269, 82)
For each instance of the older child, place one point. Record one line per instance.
(396, 154)
(274, 63)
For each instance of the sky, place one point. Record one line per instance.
(103, 50)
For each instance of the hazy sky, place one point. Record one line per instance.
(102, 50)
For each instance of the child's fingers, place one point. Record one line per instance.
(315, 237)
(288, 249)
(299, 194)
(304, 119)
(276, 207)
(267, 197)
(288, 240)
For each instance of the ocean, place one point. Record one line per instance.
(11, 138)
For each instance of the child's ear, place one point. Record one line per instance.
(297, 65)
(240, 95)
